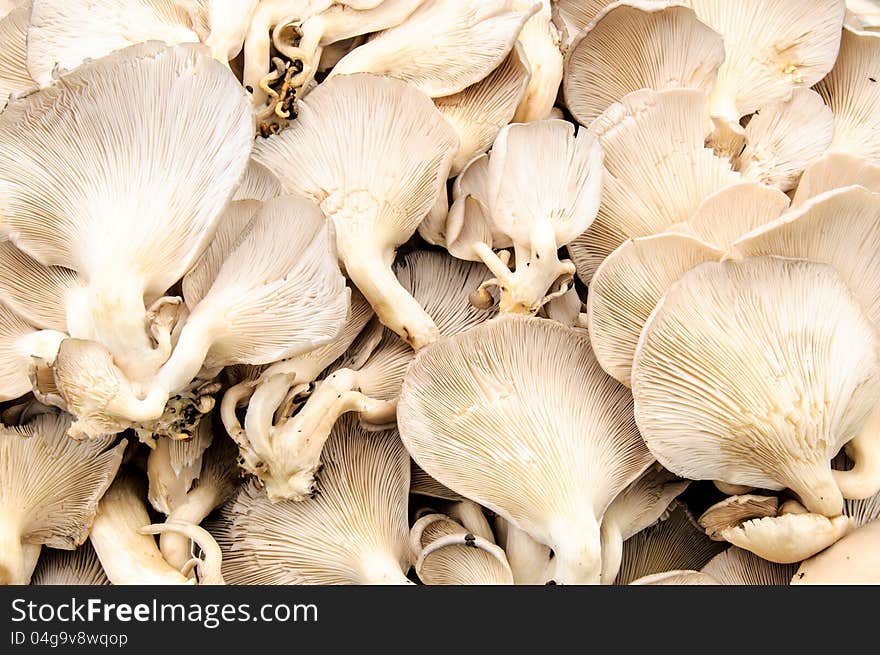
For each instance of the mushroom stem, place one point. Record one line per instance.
(234, 398)
(193, 345)
(818, 491)
(383, 569)
(863, 480)
(175, 545)
(297, 444)
(577, 547)
(267, 397)
(13, 565)
(209, 566)
(368, 265)
(612, 551)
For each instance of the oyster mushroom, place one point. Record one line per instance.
(69, 567)
(14, 76)
(852, 560)
(836, 171)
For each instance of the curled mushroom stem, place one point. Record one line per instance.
(464, 539)
(863, 480)
(383, 569)
(175, 545)
(13, 564)
(261, 411)
(577, 547)
(297, 444)
(369, 266)
(208, 568)
(525, 289)
(235, 397)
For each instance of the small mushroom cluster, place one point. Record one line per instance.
(443, 291)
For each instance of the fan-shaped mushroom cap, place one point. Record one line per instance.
(854, 97)
(65, 34)
(573, 16)
(483, 413)
(736, 210)
(627, 287)
(258, 183)
(354, 531)
(739, 567)
(788, 538)
(443, 47)
(480, 111)
(771, 48)
(14, 76)
(69, 567)
(639, 197)
(840, 228)
(638, 45)
(757, 396)
(18, 342)
(835, 171)
(423, 484)
(735, 510)
(530, 561)
(541, 42)
(375, 188)
(675, 543)
(61, 203)
(855, 559)
(676, 578)
(639, 506)
(538, 216)
(367, 381)
(446, 553)
(784, 137)
(50, 489)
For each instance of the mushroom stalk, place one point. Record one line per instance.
(612, 551)
(383, 569)
(818, 491)
(297, 444)
(577, 546)
(13, 562)
(209, 565)
(863, 479)
(368, 265)
(176, 545)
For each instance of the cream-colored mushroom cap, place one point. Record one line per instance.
(730, 386)
(354, 531)
(423, 484)
(627, 287)
(638, 45)
(788, 538)
(517, 415)
(854, 97)
(50, 490)
(19, 340)
(736, 566)
(65, 34)
(675, 543)
(734, 510)
(443, 47)
(14, 76)
(374, 188)
(69, 567)
(446, 553)
(573, 16)
(771, 48)
(258, 183)
(836, 171)
(676, 578)
(855, 559)
(639, 196)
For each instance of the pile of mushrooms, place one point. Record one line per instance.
(448, 292)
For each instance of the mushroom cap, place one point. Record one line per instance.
(354, 531)
(67, 33)
(399, 160)
(645, 501)
(53, 482)
(278, 292)
(757, 383)
(61, 198)
(784, 137)
(423, 484)
(638, 45)
(788, 538)
(771, 48)
(735, 510)
(736, 566)
(627, 287)
(442, 47)
(14, 358)
(14, 76)
(855, 559)
(839, 228)
(835, 171)
(640, 196)
(480, 111)
(69, 567)
(258, 183)
(675, 543)
(517, 415)
(446, 553)
(677, 578)
(853, 95)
